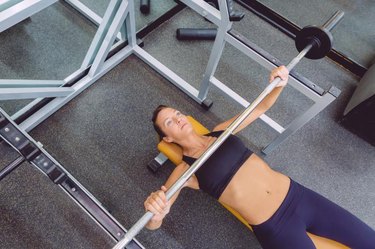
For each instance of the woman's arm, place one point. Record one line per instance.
(157, 202)
(263, 106)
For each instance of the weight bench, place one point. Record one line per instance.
(174, 153)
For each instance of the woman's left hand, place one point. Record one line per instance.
(281, 72)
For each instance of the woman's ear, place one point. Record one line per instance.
(168, 139)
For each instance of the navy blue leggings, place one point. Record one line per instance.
(304, 210)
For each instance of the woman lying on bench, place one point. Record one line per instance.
(279, 209)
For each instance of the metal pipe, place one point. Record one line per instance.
(138, 226)
(334, 20)
(12, 166)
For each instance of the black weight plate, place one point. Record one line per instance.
(320, 37)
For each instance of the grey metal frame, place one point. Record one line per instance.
(221, 19)
(33, 151)
(223, 37)
(21, 10)
(5, 4)
(17, 89)
(89, 14)
(30, 89)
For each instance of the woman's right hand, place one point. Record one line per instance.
(281, 72)
(158, 204)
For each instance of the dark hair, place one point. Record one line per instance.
(154, 117)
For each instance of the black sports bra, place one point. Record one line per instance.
(215, 174)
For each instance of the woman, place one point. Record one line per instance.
(279, 209)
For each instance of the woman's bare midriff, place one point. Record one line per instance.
(256, 191)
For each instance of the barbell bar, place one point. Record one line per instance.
(311, 43)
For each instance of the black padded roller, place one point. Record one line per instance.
(213, 3)
(145, 6)
(196, 34)
(234, 15)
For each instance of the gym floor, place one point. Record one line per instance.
(104, 137)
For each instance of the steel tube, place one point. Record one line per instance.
(12, 166)
(334, 20)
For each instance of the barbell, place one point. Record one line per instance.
(315, 42)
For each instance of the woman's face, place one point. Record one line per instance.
(173, 123)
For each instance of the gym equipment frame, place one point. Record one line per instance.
(118, 23)
(221, 18)
(225, 34)
(15, 11)
(33, 152)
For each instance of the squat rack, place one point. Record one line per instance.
(118, 23)
(97, 64)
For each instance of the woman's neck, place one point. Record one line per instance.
(193, 144)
